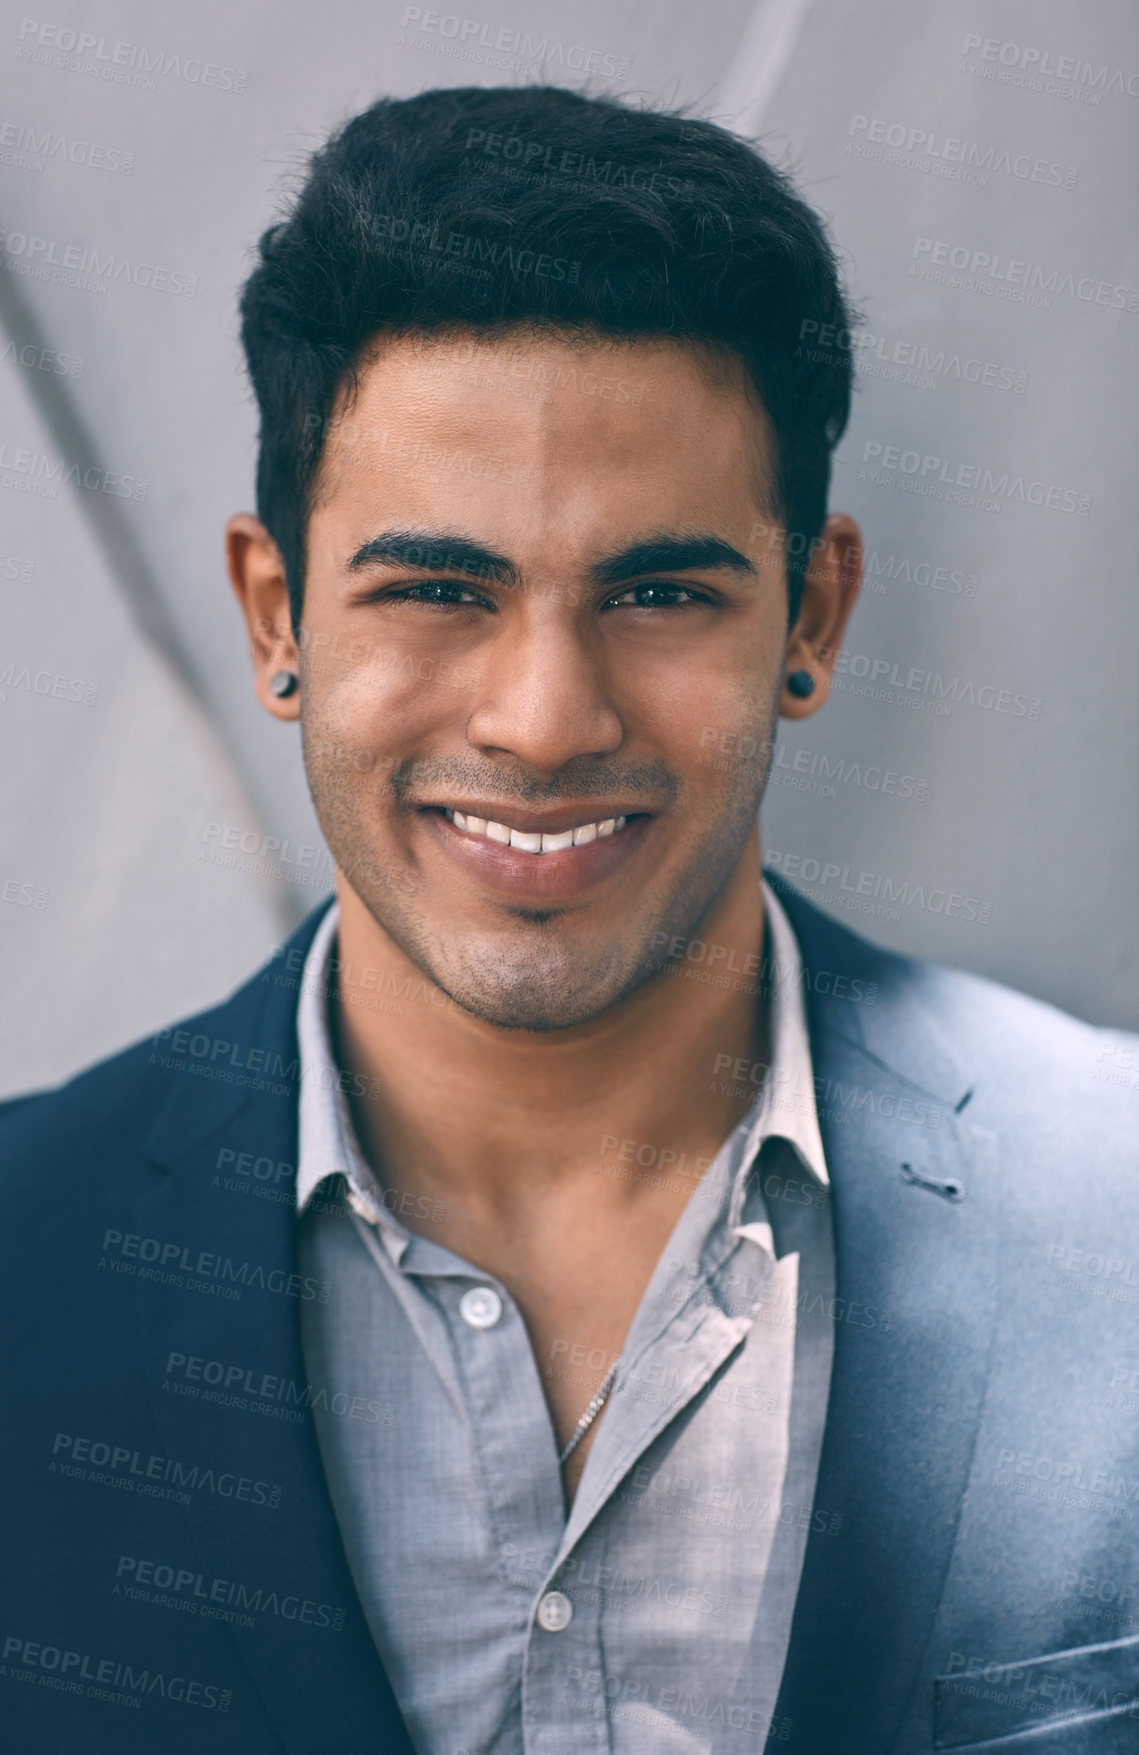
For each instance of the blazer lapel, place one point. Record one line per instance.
(905, 1394)
(220, 1325)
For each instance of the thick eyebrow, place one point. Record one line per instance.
(669, 554)
(436, 552)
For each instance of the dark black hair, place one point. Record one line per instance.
(530, 205)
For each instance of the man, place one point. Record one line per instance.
(577, 1296)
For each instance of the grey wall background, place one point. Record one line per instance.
(928, 136)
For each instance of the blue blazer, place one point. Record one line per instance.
(174, 1578)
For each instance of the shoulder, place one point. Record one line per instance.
(93, 1129)
(1016, 1042)
(1008, 1026)
(1026, 1056)
(102, 1102)
(81, 1149)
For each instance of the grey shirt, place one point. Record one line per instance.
(654, 1619)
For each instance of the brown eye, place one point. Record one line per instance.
(656, 597)
(437, 591)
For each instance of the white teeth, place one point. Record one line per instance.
(527, 841)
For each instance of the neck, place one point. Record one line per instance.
(462, 1105)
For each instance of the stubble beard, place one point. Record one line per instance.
(531, 974)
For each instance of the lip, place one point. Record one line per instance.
(538, 876)
(539, 822)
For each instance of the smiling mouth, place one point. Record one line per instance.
(531, 841)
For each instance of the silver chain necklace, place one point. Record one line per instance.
(595, 1406)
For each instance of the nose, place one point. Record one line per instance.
(544, 694)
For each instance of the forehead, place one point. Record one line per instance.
(578, 429)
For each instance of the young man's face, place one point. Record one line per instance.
(542, 594)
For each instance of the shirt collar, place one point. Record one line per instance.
(327, 1144)
(784, 1104)
(787, 1097)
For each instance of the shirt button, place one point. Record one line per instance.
(481, 1307)
(555, 1611)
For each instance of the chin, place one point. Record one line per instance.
(537, 1020)
(555, 998)
(538, 1009)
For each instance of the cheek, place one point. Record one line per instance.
(714, 724)
(394, 700)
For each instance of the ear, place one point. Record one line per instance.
(257, 574)
(830, 589)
